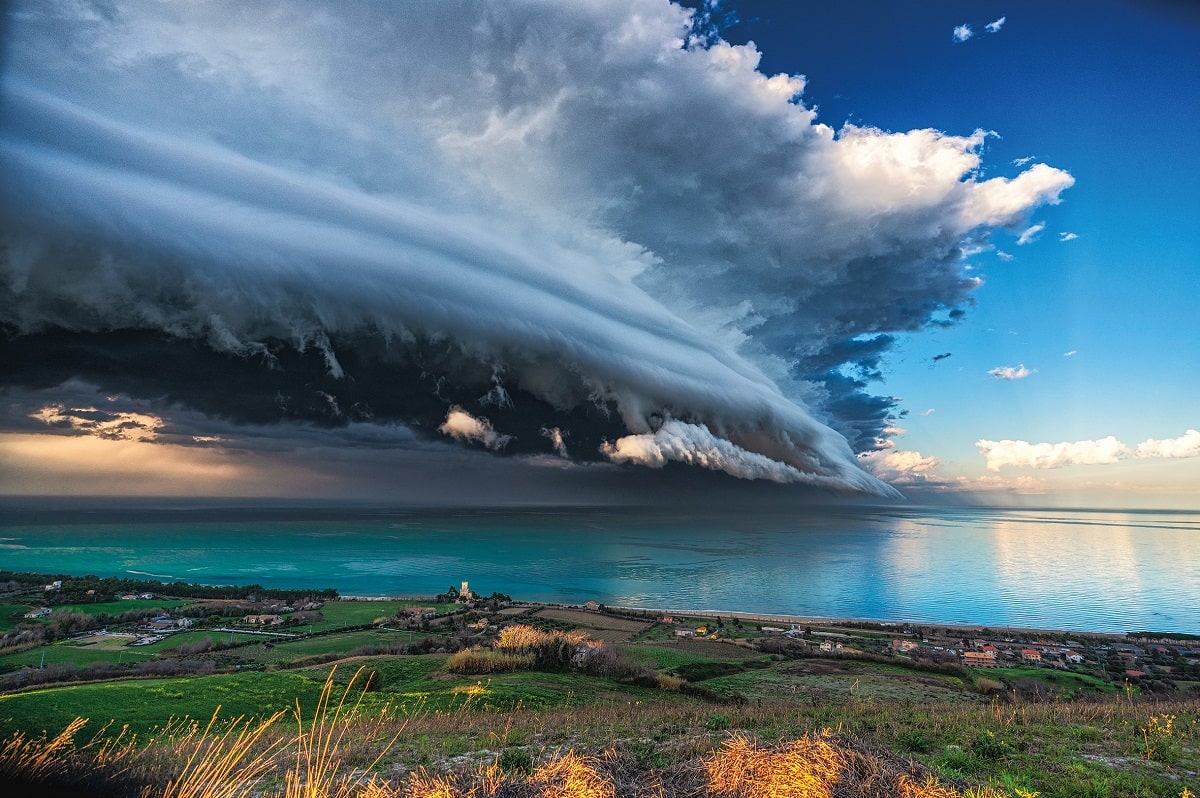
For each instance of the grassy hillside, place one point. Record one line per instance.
(493, 700)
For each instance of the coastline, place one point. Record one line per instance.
(901, 628)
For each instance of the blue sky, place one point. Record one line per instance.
(538, 251)
(1106, 91)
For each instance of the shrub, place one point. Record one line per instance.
(913, 740)
(987, 745)
(667, 681)
(716, 722)
(476, 661)
(515, 760)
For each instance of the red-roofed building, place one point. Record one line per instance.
(979, 659)
(1031, 655)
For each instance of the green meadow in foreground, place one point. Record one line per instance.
(433, 734)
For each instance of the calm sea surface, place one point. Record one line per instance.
(1083, 571)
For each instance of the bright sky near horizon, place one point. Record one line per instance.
(534, 252)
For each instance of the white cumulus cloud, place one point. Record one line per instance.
(1067, 236)
(995, 25)
(463, 426)
(1051, 455)
(1010, 372)
(1186, 445)
(962, 32)
(1103, 451)
(900, 467)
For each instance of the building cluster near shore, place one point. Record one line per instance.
(1114, 656)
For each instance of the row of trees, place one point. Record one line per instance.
(82, 589)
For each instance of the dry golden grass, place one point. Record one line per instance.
(221, 764)
(483, 661)
(222, 759)
(422, 784)
(39, 757)
(818, 766)
(317, 772)
(804, 768)
(522, 636)
(572, 776)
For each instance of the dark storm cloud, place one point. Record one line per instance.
(582, 218)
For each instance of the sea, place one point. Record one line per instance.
(1077, 570)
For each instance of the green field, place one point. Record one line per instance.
(819, 681)
(406, 684)
(178, 639)
(281, 650)
(148, 703)
(417, 684)
(1069, 683)
(11, 615)
(118, 607)
(666, 657)
(64, 652)
(338, 614)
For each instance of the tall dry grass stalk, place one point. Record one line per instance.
(222, 764)
(317, 771)
(38, 758)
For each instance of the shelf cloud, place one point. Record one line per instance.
(511, 225)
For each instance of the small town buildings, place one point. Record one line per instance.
(905, 645)
(684, 633)
(55, 585)
(263, 620)
(979, 659)
(34, 614)
(1031, 655)
(1073, 657)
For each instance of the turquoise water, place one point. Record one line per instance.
(1084, 571)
